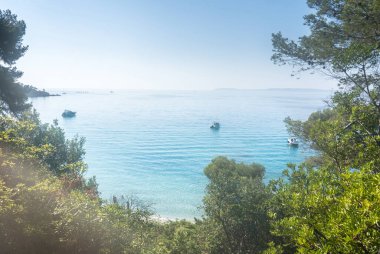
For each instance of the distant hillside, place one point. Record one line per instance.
(32, 91)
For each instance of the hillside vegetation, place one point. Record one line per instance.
(328, 204)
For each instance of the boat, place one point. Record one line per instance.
(68, 113)
(293, 142)
(215, 126)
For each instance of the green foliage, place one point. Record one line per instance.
(343, 43)
(180, 237)
(328, 211)
(12, 96)
(29, 137)
(345, 139)
(330, 204)
(235, 207)
(48, 211)
(11, 33)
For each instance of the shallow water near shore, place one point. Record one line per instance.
(155, 144)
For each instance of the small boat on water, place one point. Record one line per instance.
(215, 126)
(68, 113)
(293, 142)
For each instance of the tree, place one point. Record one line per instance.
(181, 237)
(325, 210)
(235, 206)
(329, 204)
(28, 135)
(12, 96)
(343, 43)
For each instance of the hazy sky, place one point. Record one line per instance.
(158, 44)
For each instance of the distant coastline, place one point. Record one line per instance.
(33, 92)
(273, 89)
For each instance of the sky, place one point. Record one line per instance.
(159, 44)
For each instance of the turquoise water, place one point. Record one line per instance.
(155, 145)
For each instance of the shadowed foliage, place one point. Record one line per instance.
(12, 96)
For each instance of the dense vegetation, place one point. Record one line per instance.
(12, 96)
(328, 204)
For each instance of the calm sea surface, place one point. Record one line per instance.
(155, 145)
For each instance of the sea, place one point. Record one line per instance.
(154, 145)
